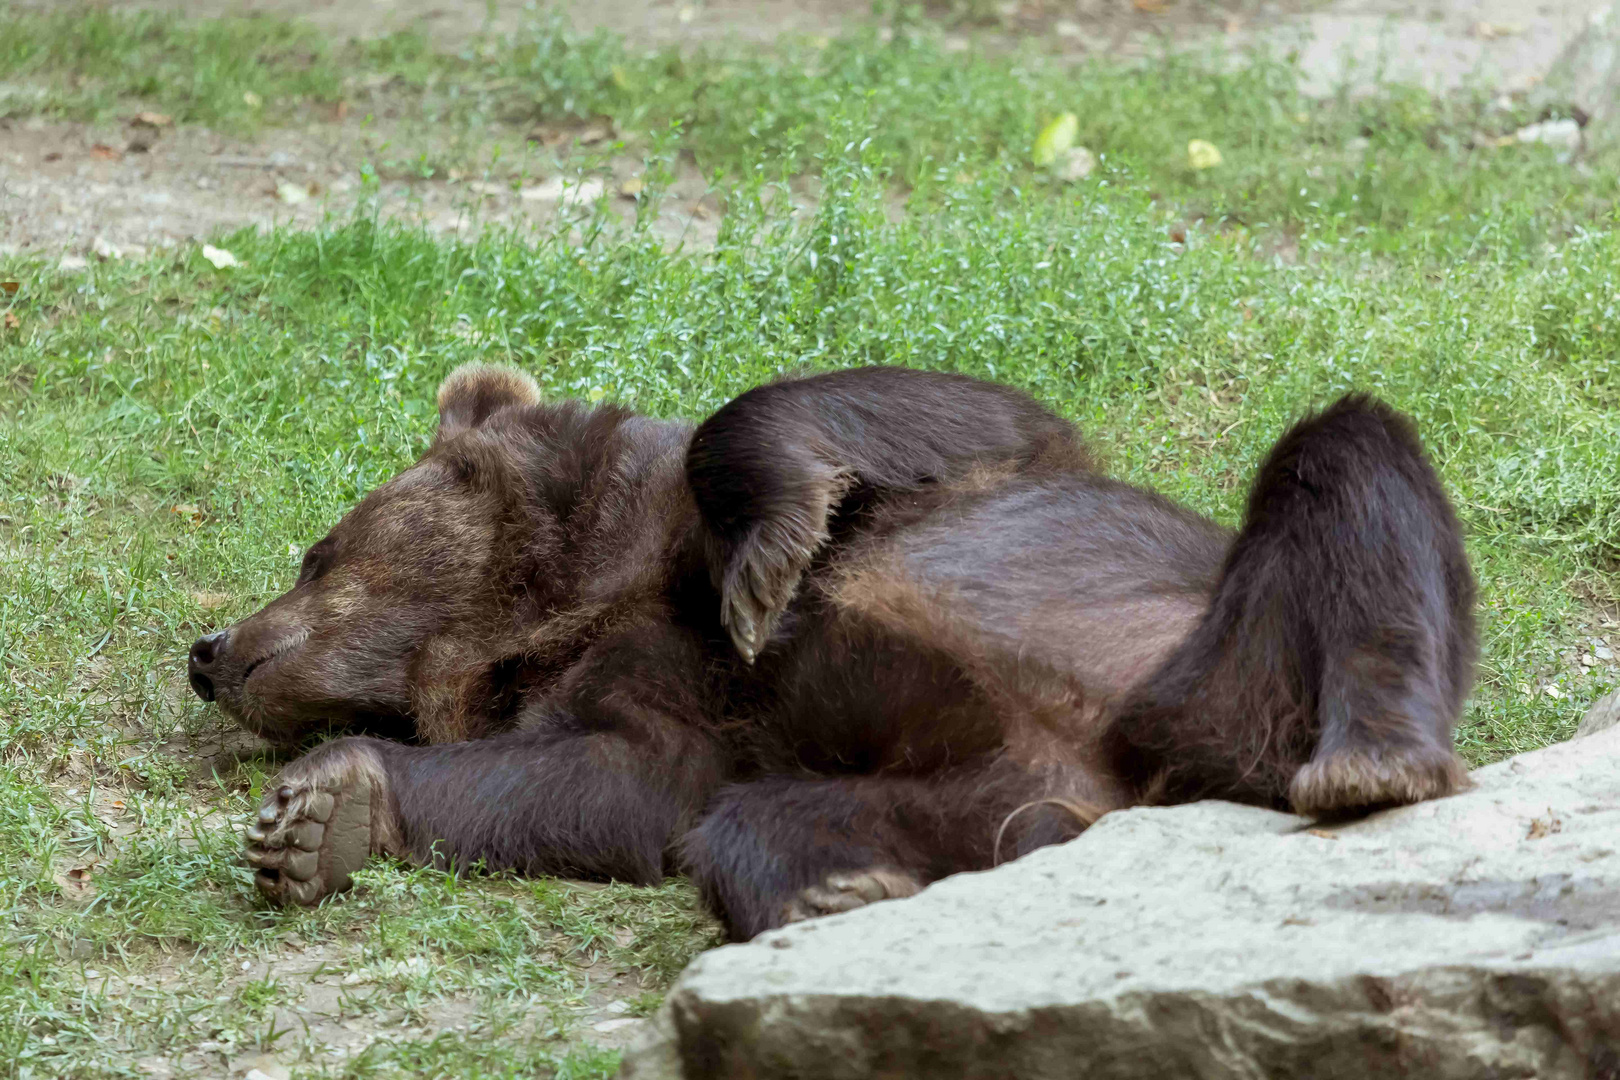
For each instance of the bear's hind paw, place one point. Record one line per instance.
(849, 890)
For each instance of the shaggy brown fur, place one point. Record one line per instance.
(851, 634)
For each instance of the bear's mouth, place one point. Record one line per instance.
(282, 648)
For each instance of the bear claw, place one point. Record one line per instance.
(850, 890)
(315, 829)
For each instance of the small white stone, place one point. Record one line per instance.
(614, 1025)
(568, 193)
(1564, 134)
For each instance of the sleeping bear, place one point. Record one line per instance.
(849, 635)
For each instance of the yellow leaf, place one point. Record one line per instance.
(596, 394)
(1055, 138)
(1202, 155)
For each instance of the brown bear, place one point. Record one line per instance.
(849, 635)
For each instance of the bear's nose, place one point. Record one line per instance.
(205, 653)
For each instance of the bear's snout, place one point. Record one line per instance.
(205, 654)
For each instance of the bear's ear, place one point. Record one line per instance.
(475, 392)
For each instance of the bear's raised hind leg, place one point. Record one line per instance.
(1331, 667)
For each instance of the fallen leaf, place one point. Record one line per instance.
(1054, 139)
(547, 137)
(54, 155)
(629, 189)
(1151, 7)
(1321, 833)
(11, 321)
(1202, 155)
(222, 259)
(190, 512)
(488, 187)
(104, 152)
(292, 194)
(152, 120)
(1075, 163)
(10, 287)
(593, 134)
(1540, 827)
(1178, 235)
(209, 601)
(1490, 31)
(77, 883)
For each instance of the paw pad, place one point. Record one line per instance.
(306, 841)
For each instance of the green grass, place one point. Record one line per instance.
(173, 433)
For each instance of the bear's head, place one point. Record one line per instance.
(416, 614)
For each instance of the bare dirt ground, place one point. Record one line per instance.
(88, 190)
(84, 191)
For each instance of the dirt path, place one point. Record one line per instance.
(84, 191)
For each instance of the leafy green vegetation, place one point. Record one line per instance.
(174, 434)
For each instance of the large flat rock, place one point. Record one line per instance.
(1476, 936)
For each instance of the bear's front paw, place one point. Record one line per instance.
(319, 821)
(759, 580)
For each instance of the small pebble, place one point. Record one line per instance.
(614, 1025)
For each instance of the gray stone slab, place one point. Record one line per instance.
(1469, 937)
(1603, 715)
(1508, 45)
